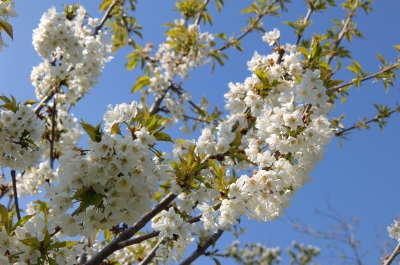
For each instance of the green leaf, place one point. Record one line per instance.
(221, 35)
(30, 102)
(190, 155)
(303, 51)
(4, 217)
(141, 82)
(63, 244)
(52, 261)
(7, 28)
(107, 235)
(32, 242)
(380, 57)
(93, 132)
(22, 221)
(161, 136)
(332, 83)
(397, 47)
(80, 193)
(43, 208)
(115, 129)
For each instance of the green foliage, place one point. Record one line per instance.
(94, 133)
(4, 25)
(9, 104)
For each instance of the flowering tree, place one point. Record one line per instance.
(101, 200)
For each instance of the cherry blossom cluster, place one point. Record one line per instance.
(394, 230)
(18, 245)
(284, 140)
(67, 130)
(119, 172)
(72, 56)
(20, 135)
(178, 64)
(6, 11)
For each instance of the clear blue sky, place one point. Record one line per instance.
(360, 179)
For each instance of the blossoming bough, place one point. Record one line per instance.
(277, 129)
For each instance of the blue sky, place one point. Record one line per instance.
(360, 179)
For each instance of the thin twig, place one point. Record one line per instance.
(337, 88)
(376, 119)
(152, 253)
(14, 182)
(350, 15)
(393, 256)
(200, 16)
(249, 29)
(128, 233)
(202, 249)
(107, 14)
(53, 121)
(310, 10)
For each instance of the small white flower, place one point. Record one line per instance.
(272, 36)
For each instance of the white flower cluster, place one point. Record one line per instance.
(394, 230)
(20, 135)
(6, 11)
(67, 130)
(178, 64)
(19, 246)
(72, 56)
(170, 225)
(283, 139)
(120, 173)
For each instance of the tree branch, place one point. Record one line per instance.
(14, 182)
(107, 14)
(393, 256)
(200, 16)
(337, 88)
(249, 29)
(128, 233)
(201, 249)
(361, 124)
(152, 253)
(310, 10)
(350, 15)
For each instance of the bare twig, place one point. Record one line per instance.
(350, 15)
(53, 121)
(249, 29)
(128, 233)
(376, 119)
(14, 182)
(152, 253)
(393, 256)
(310, 10)
(200, 15)
(107, 14)
(337, 88)
(202, 249)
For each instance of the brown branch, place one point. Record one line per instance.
(249, 29)
(310, 10)
(200, 16)
(152, 253)
(128, 233)
(202, 249)
(107, 15)
(14, 182)
(350, 15)
(376, 119)
(393, 256)
(44, 101)
(53, 121)
(337, 88)
(200, 120)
